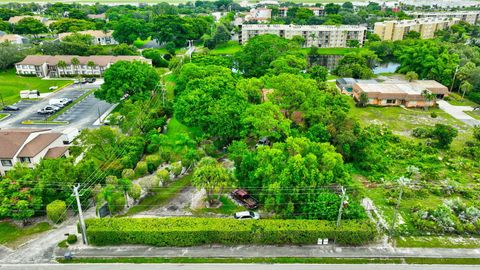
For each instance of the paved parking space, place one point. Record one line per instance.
(90, 106)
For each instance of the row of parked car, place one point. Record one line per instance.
(55, 104)
(84, 81)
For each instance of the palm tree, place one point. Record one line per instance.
(465, 87)
(61, 64)
(91, 65)
(428, 96)
(75, 62)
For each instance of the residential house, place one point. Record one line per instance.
(15, 19)
(101, 16)
(396, 93)
(29, 146)
(99, 37)
(13, 38)
(48, 66)
(322, 36)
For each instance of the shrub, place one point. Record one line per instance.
(72, 239)
(135, 191)
(433, 115)
(111, 180)
(422, 132)
(141, 168)
(153, 161)
(56, 211)
(128, 173)
(163, 176)
(177, 168)
(204, 231)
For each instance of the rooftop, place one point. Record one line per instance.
(11, 140)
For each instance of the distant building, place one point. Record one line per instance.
(29, 146)
(259, 15)
(47, 66)
(14, 39)
(397, 30)
(101, 16)
(317, 11)
(16, 19)
(322, 36)
(408, 94)
(99, 37)
(471, 17)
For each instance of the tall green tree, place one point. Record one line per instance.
(213, 177)
(30, 26)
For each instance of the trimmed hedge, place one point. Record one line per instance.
(203, 231)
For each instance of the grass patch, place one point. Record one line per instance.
(63, 244)
(236, 260)
(437, 242)
(474, 114)
(11, 84)
(139, 43)
(11, 234)
(457, 100)
(161, 197)
(64, 109)
(228, 208)
(466, 261)
(3, 115)
(230, 47)
(43, 122)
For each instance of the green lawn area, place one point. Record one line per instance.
(2, 115)
(139, 43)
(11, 85)
(11, 234)
(161, 197)
(474, 114)
(438, 242)
(230, 47)
(228, 208)
(457, 100)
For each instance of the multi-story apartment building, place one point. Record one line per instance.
(259, 15)
(99, 37)
(61, 65)
(396, 30)
(317, 11)
(322, 36)
(29, 146)
(471, 17)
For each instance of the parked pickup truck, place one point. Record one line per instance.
(244, 198)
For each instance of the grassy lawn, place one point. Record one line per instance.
(230, 47)
(11, 85)
(228, 208)
(438, 242)
(474, 114)
(2, 115)
(10, 234)
(139, 43)
(457, 100)
(161, 197)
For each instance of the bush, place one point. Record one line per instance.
(153, 161)
(141, 169)
(203, 231)
(177, 168)
(433, 115)
(72, 239)
(56, 211)
(422, 132)
(163, 176)
(128, 173)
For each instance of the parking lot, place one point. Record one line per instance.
(81, 115)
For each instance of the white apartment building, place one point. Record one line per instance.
(471, 17)
(397, 30)
(259, 15)
(322, 36)
(48, 66)
(29, 146)
(317, 11)
(99, 37)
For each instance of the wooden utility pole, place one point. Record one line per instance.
(339, 218)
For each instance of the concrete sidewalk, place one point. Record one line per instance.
(268, 252)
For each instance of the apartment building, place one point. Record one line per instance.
(48, 66)
(471, 17)
(396, 30)
(259, 15)
(317, 11)
(322, 36)
(29, 146)
(99, 37)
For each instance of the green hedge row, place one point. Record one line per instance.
(204, 231)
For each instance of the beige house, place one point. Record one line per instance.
(322, 36)
(29, 146)
(48, 66)
(13, 38)
(408, 94)
(16, 19)
(99, 37)
(397, 30)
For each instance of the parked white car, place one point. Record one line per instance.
(52, 88)
(246, 215)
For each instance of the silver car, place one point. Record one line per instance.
(246, 215)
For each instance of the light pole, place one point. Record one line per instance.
(403, 181)
(339, 218)
(454, 76)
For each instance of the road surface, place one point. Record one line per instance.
(237, 267)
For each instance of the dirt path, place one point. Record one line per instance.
(178, 206)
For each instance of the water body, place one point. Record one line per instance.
(331, 61)
(388, 67)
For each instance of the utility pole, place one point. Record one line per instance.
(402, 181)
(80, 214)
(3, 102)
(339, 218)
(454, 76)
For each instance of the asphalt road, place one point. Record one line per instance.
(237, 267)
(81, 115)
